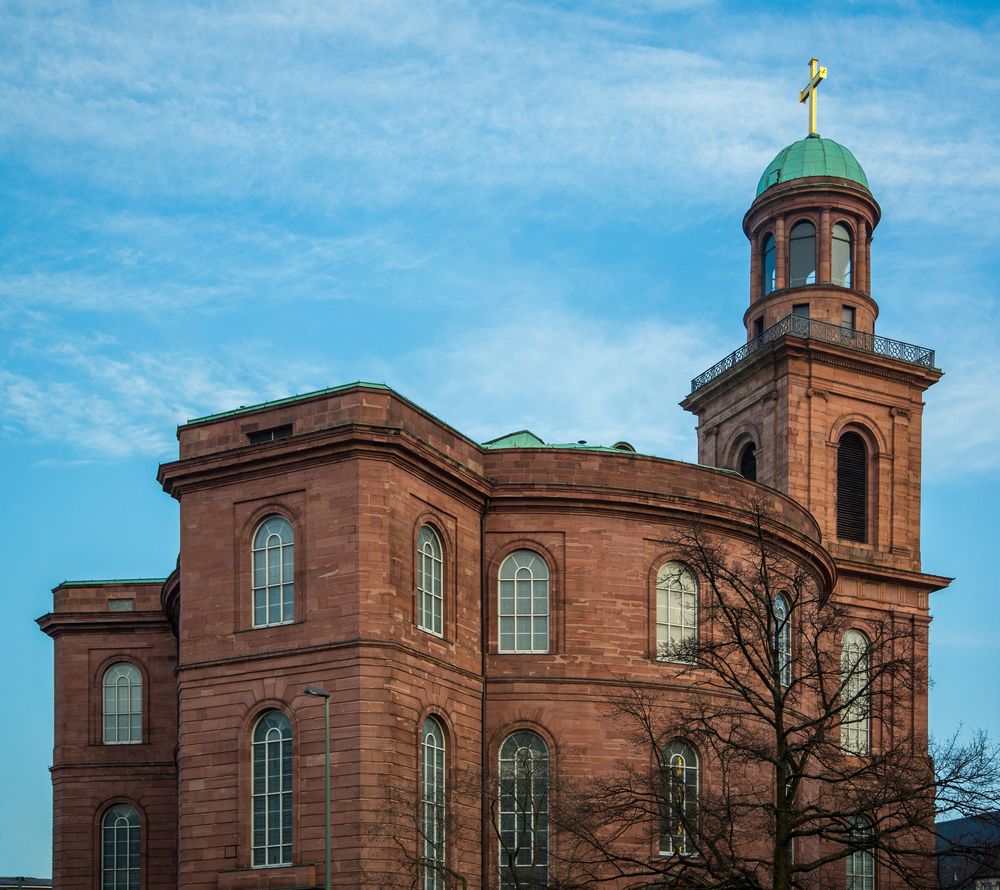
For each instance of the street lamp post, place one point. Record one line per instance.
(323, 694)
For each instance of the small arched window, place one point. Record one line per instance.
(748, 461)
(121, 848)
(435, 875)
(524, 811)
(122, 704)
(676, 613)
(524, 603)
(852, 488)
(679, 804)
(861, 862)
(855, 693)
(767, 283)
(802, 255)
(273, 573)
(840, 255)
(272, 790)
(430, 585)
(782, 640)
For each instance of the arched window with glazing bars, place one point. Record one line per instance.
(271, 787)
(840, 255)
(802, 254)
(430, 581)
(524, 811)
(767, 267)
(524, 603)
(782, 629)
(273, 573)
(121, 848)
(434, 805)
(861, 862)
(676, 613)
(855, 693)
(122, 704)
(679, 798)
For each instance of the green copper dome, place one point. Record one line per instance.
(812, 156)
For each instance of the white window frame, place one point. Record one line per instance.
(121, 827)
(121, 712)
(855, 715)
(859, 866)
(434, 828)
(676, 613)
(524, 774)
(276, 846)
(523, 600)
(272, 565)
(430, 581)
(681, 775)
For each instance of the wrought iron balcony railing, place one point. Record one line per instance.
(809, 329)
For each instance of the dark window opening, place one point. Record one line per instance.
(767, 283)
(801, 310)
(758, 327)
(852, 488)
(748, 462)
(848, 316)
(802, 255)
(258, 437)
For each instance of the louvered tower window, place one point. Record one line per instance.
(852, 488)
(748, 461)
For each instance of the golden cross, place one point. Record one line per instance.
(816, 74)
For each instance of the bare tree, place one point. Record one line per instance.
(801, 711)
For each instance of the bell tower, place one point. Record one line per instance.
(815, 403)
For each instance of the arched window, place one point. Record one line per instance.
(748, 461)
(524, 603)
(435, 876)
(272, 790)
(840, 255)
(120, 848)
(122, 704)
(782, 640)
(852, 488)
(802, 255)
(430, 598)
(676, 613)
(679, 806)
(861, 863)
(273, 573)
(767, 283)
(524, 811)
(855, 694)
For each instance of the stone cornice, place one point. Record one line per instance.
(57, 623)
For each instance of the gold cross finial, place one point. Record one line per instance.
(816, 74)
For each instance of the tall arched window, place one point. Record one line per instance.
(273, 573)
(679, 766)
(121, 848)
(852, 488)
(430, 596)
(524, 603)
(840, 255)
(272, 790)
(676, 613)
(782, 640)
(802, 255)
(855, 694)
(861, 863)
(524, 811)
(748, 461)
(767, 283)
(122, 704)
(435, 876)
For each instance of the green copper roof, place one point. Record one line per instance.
(244, 409)
(812, 156)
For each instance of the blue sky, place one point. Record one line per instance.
(516, 214)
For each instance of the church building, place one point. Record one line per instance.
(458, 608)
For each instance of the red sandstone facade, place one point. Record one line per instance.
(361, 472)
